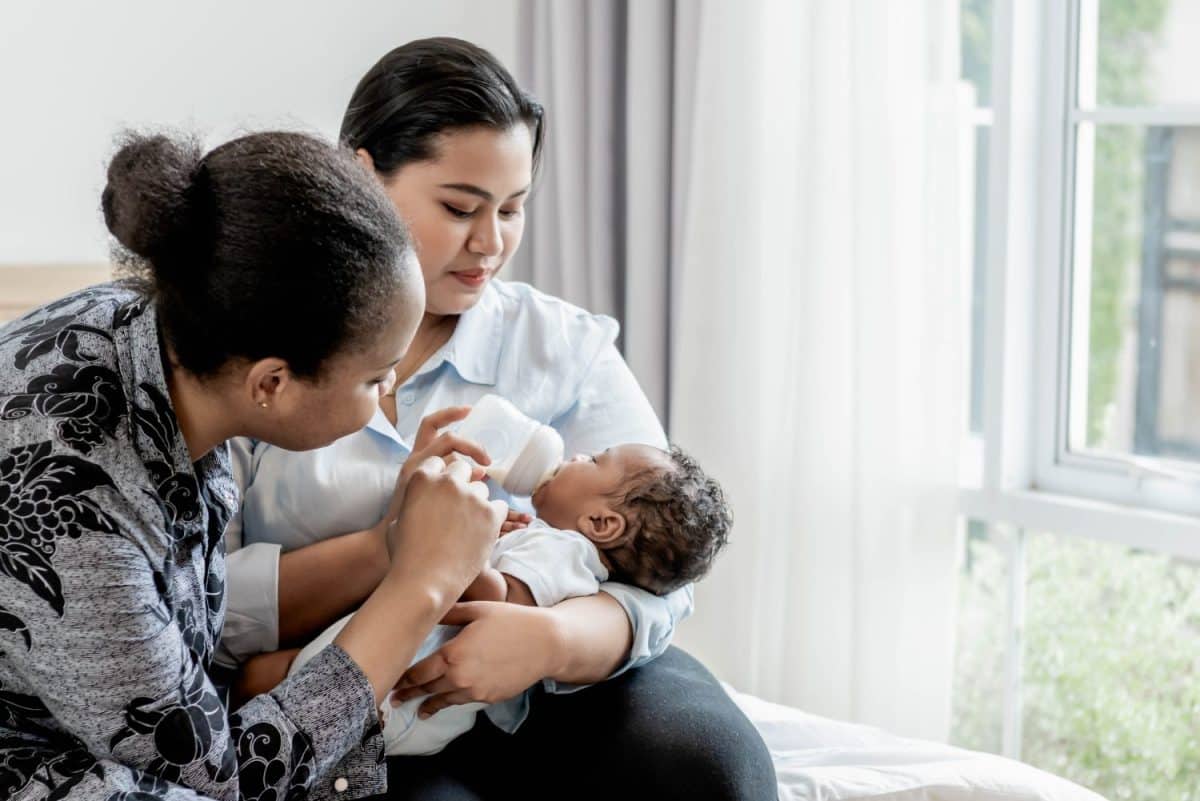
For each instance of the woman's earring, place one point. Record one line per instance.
(262, 404)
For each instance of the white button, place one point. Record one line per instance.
(340, 785)
(408, 398)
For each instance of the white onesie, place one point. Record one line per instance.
(555, 565)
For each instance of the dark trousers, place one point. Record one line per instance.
(663, 731)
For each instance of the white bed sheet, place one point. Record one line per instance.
(818, 759)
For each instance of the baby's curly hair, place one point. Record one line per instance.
(677, 520)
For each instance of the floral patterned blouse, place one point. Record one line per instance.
(112, 590)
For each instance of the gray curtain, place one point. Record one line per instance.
(603, 218)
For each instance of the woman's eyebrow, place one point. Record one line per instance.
(390, 364)
(480, 192)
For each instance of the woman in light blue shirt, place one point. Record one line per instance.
(455, 143)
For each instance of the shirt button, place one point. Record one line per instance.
(408, 398)
(340, 785)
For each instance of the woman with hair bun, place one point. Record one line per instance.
(274, 290)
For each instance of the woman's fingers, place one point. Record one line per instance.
(439, 685)
(458, 470)
(423, 672)
(461, 471)
(439, 702)
(431, 424)
(445, 444)
(433, 465)
(461, 614)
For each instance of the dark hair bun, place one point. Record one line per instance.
(272, 244)
(151, 186)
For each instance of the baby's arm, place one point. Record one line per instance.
(518, 591)
(489, 585)
(492, 585)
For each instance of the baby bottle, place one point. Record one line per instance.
(524, 452)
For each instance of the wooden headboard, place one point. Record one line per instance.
(27, 286)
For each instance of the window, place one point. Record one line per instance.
(1078, 643)
(1126, 371)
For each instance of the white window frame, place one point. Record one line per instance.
(1029, 479)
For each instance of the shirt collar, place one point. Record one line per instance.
(474, 347)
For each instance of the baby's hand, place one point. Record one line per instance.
(514, 521)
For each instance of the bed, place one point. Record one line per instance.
(818, 759)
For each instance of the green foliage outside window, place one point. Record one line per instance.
(1111, 674)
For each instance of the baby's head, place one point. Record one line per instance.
(656, 517)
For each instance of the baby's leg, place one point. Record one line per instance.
(403, 731)
(262, 673)
(489, 585)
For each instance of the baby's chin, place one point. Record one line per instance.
(550, 513)
(539, 492)
(539, 495)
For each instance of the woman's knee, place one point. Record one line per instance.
(669, 730)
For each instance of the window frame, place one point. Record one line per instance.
(1125, 479)
(1028, 476)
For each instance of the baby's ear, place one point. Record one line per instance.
(602, 525)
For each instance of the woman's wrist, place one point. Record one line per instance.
(592, 637)
(436, 592)
(556, 643)
(384, 634)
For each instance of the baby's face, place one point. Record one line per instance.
(586, 480)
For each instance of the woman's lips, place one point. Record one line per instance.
(472, 278)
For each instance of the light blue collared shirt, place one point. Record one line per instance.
(556, 362)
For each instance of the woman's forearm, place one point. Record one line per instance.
(322, 582)
(594, 637)
(384, 634)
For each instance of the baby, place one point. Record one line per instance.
(633, 514)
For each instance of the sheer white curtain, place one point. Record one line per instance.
(817, 349)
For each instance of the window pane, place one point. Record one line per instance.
(1135, 366)
(975, 18)
(1146, 52)
(982, 632)
(1111, 685)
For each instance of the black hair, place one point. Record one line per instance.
(676, 520)
(273, 244)
(430, 87)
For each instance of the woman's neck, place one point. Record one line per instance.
(203, 422)
(203, 419)
(434, 331)
(432, 324)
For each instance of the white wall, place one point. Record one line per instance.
(72, 74)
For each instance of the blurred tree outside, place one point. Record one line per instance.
(1111, 674)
